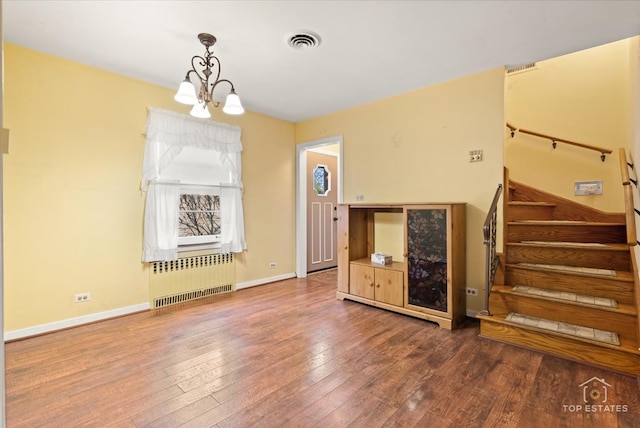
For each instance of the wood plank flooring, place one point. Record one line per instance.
(289, 354)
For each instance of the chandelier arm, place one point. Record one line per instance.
(211, 65)
(202, 63)
(212, 101)
(220, 81)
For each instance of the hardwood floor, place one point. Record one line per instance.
(289, 354)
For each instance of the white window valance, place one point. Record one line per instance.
(168, 133)
(216, 148)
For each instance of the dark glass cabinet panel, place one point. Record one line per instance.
(427, 258)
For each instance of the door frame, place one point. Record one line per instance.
(301, 195)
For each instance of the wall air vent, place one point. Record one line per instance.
(303, 40)
(520, 68)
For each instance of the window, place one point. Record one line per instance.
(321, 180)
(191, 174)
(199, 218)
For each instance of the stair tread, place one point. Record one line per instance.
(624, 345)
(574, 269)
(619, 275)
(564, 223)
(535, 204)
(578, 331)
(565, 296)
(567, 244)
(623, 359)
(621, 308)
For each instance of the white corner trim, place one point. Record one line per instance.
(263, 281)
(74, 322)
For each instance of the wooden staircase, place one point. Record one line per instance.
(565, 284)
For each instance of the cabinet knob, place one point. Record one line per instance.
(346, 248)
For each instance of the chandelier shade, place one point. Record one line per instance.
(200, 110)
(232, 105)
(207, 71)
(186, 93)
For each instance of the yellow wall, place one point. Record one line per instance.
(634, 95)
(415, 147)
(73, 209)
(582, 97)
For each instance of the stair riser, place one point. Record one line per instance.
(604, 234)
(607, 358)
(620, 291)
(579, 257)
(623, 324)
(530, 213)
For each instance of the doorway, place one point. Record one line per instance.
(318, 191)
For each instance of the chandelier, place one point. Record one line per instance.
(208, 65)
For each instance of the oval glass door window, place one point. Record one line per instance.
(321, 180)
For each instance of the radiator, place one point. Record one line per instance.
(189, 278)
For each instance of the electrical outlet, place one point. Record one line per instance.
(272, 265)
(359, 197)
(81, 297)
(472, 291)
(475, 155)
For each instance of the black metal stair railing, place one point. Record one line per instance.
(489, 229)
(626, 169)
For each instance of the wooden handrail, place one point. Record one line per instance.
(624, 167)
(629, 211)
(555, 140)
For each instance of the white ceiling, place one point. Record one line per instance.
(370, 49)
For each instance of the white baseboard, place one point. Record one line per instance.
(100, 316)
(263, 281)
(73, 322)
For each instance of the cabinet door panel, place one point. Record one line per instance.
(427, 275)
(389, 287)
(361, 281)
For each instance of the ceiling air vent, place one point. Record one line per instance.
(304, 39)
(511, 69)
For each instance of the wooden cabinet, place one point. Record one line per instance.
(377, 283)
(429, 280)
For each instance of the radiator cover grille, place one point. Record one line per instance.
(192, 277)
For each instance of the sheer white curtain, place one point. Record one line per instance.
(168, 134)
(161, 222)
